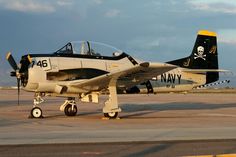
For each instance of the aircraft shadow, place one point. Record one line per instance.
(62, 115)
(144, 109)
(174, 106)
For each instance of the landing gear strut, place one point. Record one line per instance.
(36, 111)
(111, 108)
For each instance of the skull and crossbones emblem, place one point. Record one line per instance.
(200, 53)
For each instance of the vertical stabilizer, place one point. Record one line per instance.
(204, 55)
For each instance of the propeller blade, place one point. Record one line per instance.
(11, 61)
(29, 59)
(16, 73)
(18, 90)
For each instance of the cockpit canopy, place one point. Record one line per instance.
(89, 48)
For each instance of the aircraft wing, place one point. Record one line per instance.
(146, 72)
(124, 77)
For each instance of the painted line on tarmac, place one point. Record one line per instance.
(219, 155)
(217, 115)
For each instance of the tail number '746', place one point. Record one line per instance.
(43, 63)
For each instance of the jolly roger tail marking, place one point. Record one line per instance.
(200, 53)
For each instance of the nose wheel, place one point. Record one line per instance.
(36, 112)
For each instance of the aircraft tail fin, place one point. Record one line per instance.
(204, 56)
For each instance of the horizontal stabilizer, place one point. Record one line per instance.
(204, 70)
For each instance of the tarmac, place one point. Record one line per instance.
(144, 118)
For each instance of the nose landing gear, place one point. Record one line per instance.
(36, 112)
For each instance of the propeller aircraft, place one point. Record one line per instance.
(78, 71)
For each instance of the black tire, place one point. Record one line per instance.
(68, 110)
(111, 115)
(36, 112)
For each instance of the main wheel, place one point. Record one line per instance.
(36, 112)
(69, 111)
(111, 115)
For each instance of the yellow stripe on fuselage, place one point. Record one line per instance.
(207, 33)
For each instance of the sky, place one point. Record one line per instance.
(152, 30)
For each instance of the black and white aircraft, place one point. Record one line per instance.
(78, 71)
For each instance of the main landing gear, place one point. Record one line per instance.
(111, 115)
(111, 108)
(69, 107)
